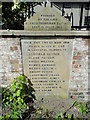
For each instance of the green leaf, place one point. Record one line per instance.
(7, 103)
(61, 114)
(84, 113)
(69, 116)
(14, 95)
(22, 101)
(2, 118)
(13, 88)
(7, 116)
(18, 92)
(14, 116)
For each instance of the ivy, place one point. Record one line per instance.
(17, 99)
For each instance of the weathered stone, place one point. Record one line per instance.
(48, 19)
(10, 60)
(80, 68)
(47, 63)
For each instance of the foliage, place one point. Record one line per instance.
(14, 14)
(82, 108)
(65, 115)
(60, 116)
(69, 116)
(18, 99)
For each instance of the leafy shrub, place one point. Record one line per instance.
(83, 108)
(17, 100)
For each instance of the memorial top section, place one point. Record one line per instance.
(47, 19)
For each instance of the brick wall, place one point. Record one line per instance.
(79, 73)
(10, 60)
(11, 65)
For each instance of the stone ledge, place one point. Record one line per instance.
(24, 33)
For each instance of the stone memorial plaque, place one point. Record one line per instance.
(47, 63)
(47, 19)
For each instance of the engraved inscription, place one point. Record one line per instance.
(48, 19)
(47, 64)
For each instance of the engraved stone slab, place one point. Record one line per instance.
(47, 63)
(47, 19)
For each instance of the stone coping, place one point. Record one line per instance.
(48, 0)
(24, 33)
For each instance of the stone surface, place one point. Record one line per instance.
(47, 19)
(23, 33)
(10, 60)
(47, 63)
(79, 74)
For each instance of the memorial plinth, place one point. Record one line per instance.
(47, 61)
(47, 64)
